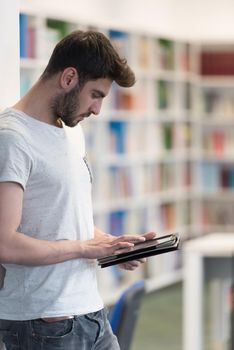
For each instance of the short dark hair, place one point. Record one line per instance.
(93, 56)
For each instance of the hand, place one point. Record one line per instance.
(107, 244)
(132, 265)
(149, 235)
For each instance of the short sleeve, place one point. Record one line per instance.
(15, 159)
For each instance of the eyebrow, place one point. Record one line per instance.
(99, 92)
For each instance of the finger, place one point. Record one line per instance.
(122, 247)
(131, 238)
(149, 235)
(123, 250)
(127, 266)
(138, 262)
(133, 264)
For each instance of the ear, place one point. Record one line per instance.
(69, 78)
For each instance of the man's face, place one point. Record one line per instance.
(77, 104)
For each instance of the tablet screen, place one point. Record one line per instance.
(157, 241)
(157, 245)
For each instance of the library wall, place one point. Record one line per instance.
(9, 58)
(9, 64)
(175, 19)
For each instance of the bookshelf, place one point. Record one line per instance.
(213, 127)
(160, 151)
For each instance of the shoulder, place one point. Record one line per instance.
(13, 129)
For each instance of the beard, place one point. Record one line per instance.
(65, 106)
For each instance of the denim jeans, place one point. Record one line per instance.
(86, 332)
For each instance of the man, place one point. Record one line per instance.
(48, 242)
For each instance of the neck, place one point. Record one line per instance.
(37, 102)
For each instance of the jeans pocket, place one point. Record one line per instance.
(52, 332)
(9, 334)
(98, 318)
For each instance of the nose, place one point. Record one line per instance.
(96, 107)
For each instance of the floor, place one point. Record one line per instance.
(159, 325)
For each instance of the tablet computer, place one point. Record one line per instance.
(155, 246)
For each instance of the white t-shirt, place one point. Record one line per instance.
(48, 162)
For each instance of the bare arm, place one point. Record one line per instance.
(18, 248)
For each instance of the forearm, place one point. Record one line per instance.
(17, 248)
(24, 250)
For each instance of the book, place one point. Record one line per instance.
(22, 30)
(217, 63)
(61, 27)
(120, 40)
(117, 136)
(117, 222)
(163, 94)
(143, 53)
(166, 53)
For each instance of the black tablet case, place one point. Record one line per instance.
(155, 246)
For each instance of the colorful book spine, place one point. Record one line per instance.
(168, 137)
(120, 182)
(163, 95)
(117, 222)
(218, 142)
(216, 177)
(217, 63)
(23, 30)
(168, 216)
(166, 54)
(120, 41)
(117, 136)
(61, 27)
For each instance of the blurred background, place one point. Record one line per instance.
(162, 152)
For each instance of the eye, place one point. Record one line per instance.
(95, 95)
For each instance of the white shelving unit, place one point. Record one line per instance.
(9, 87)
(9, 58)
(206, 259)
(213, 162)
